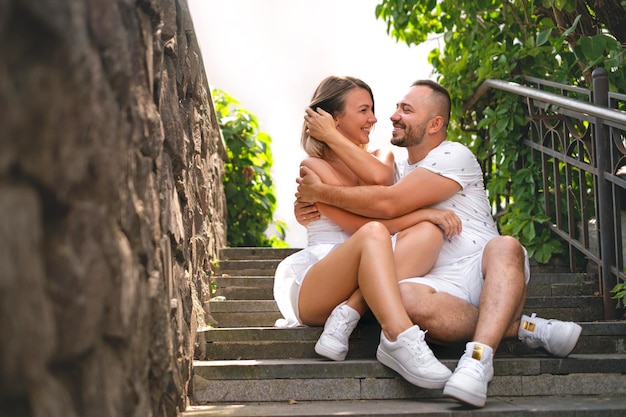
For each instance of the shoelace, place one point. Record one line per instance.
(339, 326)
(415, 346)
(473, 366)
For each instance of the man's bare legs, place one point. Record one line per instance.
(449, 319)
(504, 291)
(500, 306)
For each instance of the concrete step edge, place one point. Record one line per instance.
(242, 334)
(319, 368)
(552, 406)
(370, 388)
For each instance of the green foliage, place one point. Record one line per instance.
(248, 185)
(558, 40)
(619, 293)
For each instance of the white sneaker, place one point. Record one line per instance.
(334, 340)
(472, 375)
(557, 337)
(411, 357)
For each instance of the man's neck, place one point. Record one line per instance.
(419, 152)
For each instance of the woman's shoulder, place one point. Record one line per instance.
(383, 154)
(325, 170)
(314, 163)
(320, 166)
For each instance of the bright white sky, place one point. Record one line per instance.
(271, 54)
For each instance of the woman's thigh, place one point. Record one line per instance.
(334, 278)
(417, 249)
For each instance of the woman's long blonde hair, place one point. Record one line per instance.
(330, 96)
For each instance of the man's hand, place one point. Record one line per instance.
(305, 213)
(307, 185)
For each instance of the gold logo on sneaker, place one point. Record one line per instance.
(477, 353)
(528, 326)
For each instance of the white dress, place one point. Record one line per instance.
(322, 237)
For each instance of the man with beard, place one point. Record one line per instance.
(476, 290)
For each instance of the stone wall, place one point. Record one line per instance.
(111, 206)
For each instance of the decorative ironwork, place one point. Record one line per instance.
(579, 138)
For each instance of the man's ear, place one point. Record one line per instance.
(435, 124)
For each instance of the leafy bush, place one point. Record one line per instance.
(558, 40)
(248, 185)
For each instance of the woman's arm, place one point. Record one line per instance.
(375, 168)
(350, 222)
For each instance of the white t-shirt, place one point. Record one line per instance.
(455, 161)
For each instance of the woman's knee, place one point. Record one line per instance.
(373, 230)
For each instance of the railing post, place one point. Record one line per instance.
(606, 227)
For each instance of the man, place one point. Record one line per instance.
(477, 288)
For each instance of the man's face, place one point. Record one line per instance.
(410, 118)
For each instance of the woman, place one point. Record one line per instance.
(348, 265)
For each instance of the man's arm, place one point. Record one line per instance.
(420, 188)
(451, 224)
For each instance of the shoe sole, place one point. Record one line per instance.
(469, 398)
(422, 382)
(572, 339)
(327, 352)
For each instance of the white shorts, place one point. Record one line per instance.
(463, 279)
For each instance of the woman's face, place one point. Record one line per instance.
(357, 119)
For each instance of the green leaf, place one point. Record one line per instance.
(543, 36)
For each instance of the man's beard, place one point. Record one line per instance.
(413, 135)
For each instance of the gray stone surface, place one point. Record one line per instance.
(111, 206)
(558, 406)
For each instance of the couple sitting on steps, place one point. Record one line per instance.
(421, 251)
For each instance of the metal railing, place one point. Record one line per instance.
(579, 136)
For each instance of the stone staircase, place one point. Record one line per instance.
(250, 368)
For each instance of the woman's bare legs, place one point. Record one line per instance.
(417, 249)
(365, 261)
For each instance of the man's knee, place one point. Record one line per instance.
(505, 248)
(505, 258)
(506, 244)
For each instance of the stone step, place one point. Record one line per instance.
(244, 287)
(260, 287)
(280, 343)
(257, 369)
(267, 267)
(540, 406)
(241, 267)
(264, 313)
(367, 379)
(256, 253)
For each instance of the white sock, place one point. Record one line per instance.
(352, 313)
